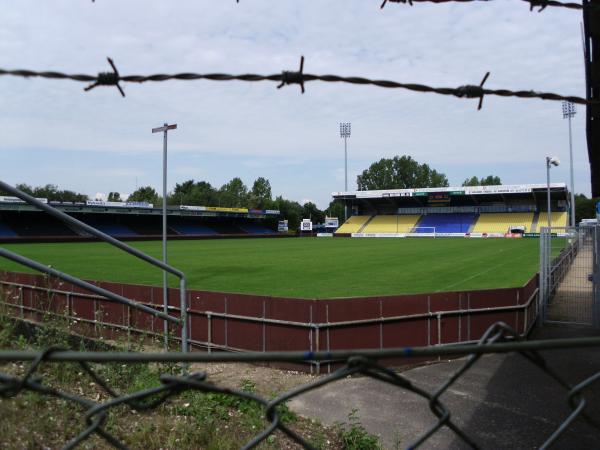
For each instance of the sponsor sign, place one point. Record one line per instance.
(332, 222)
(495, 235)
(324, 234)
(272, 211)
(513, 235)
(192, 208)
(306, 225)
(119, 204)
(379, 235)
(7, 199)
(139, 205)
(222, 209)
(475, 235)
(531, 235)
(456, 190)
(282, 226)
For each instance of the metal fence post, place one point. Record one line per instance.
(542, 276)
(596, 279)
(209, 332)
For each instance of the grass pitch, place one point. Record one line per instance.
(306, 267)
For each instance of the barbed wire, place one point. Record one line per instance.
(292, 77)
(499, 338)
(541, 4)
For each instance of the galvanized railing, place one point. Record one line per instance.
(14, 298)
(63, 217)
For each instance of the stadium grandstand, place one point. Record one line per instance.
(466, 211)
(132, 220)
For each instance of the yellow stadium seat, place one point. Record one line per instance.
(559, 219)
(353, 224)
(501, 222)
(392, 224)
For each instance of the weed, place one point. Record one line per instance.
(354, 436)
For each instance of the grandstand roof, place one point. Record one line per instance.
(558, 190)
(97, 207)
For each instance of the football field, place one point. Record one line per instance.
(306, 267)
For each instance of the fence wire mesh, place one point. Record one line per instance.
(568, 256)
(499, 338)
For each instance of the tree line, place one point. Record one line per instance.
(399, 172)
(233, 194)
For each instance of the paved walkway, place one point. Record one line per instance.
(503, 402)
(573, 299)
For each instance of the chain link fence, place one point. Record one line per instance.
(499, 338)
(568, 275)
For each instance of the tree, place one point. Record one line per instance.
(399, 173)
(585, 208)
(490, 180)
(114, 197)
(144, 194)
(51, 192)
(260, 195)
(199, 193)
(335, 209)
(290, 210)
(234, 194)
(310, 211)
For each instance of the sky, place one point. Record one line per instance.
(96, 142)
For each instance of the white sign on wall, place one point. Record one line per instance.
(306, 225)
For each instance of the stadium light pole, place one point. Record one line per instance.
(568, 110)
(165, 129)
(550, 161)
(345, 128)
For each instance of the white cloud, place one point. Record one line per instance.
(256, 127)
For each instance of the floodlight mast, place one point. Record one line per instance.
(569, 111)
(345, 130)
(550, 161)
(164, 129)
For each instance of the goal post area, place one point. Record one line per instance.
(415, 232)
(422, 232)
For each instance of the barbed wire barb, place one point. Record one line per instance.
(532, 3)
(107, 79)
(288, 77)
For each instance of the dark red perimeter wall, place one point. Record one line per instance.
(224, 321)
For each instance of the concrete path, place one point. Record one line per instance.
(503, 402)
(572, 301)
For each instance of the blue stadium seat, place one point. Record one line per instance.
(254, 228)
(115, 230)
(192, 229)
(446, 223)
(5, 231)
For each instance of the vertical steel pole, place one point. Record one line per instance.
(345, 174)
(572, 221)
(596, 278)
(164, 239)
(185, 325)
(548, 191)
(542, 280)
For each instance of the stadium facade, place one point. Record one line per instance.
(132, 220)
(474, 211)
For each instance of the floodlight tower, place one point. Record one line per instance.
(345, 129)
(568, 110)
(550, 161)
